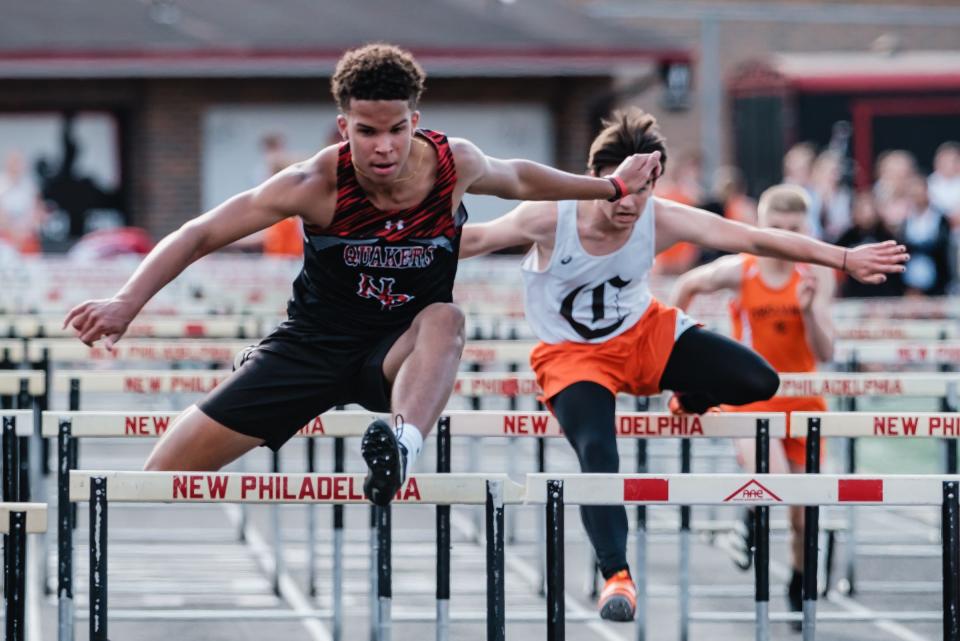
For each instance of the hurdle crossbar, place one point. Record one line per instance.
(16, 381)
(22, 420)
(233, 487)
(499, 384)
(176, 327)
(898, 352)
(140, 349)
(879, 424)
(85, 424)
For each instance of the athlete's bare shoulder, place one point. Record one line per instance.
(307, 188)
(469, 159)
(538, 219)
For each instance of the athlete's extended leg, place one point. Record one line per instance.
(421, 367)
(707, 369)
(197, 443)
(585, 410)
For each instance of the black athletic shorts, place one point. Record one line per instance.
(287, 381)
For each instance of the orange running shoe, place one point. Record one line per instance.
(677, 409)
(618, 600)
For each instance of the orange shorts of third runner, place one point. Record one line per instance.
(795, 448)
(632, 362)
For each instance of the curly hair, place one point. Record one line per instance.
(626, 132)
(377, 71)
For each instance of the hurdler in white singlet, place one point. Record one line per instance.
(584, 298)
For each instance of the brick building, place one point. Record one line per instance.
(180, 85)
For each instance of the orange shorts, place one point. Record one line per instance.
(795, 448)
(632, 362)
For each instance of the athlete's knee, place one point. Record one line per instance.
(763, 382)
(444, 319)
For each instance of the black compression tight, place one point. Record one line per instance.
(705, 368)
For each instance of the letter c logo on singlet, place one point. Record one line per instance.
(597, 293)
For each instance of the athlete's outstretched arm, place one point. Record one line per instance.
(815, 293)
(533, 222)
(723, 273)
(867, 263)
(282, 196)
(528, 180)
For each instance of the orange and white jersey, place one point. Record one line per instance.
(770, 321)
(584, 298)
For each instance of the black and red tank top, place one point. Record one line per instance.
(371, 271)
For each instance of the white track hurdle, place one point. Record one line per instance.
(889, 425)
(640, 426)
(16, 521)
(761, 491)
(100, 488)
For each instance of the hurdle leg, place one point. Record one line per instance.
(541, 522)
(16, 587)
(311, 524)
(338, 454)
(811, 536)
(384, 570)
(11, 481)
(374, 575)
(950, 536)
(555, 567)
(277, 533)
(64, 536)
(443, 535)
(684, 574)
(496, 597)
(98, 558)
(640, 535)
(761, 561)
(242, 522)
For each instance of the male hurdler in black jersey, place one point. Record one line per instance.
(371, 319)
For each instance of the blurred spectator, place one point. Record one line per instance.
(926, 233)
(868, 227)
(944, 182)
(798, 165)
(830, 199)
(728, 196)
(284, 238)
(21, 207)
(894, 170)
(681, 182)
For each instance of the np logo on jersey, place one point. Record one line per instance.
(381, 291)
(598, 295)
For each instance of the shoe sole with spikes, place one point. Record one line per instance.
(385, 460)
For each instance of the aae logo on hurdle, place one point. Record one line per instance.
(752, 492)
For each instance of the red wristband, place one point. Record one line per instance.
(619, 186)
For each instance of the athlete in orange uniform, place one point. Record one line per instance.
(781, 310)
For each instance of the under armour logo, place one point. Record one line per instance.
(565, 260)
(390, 225)
(383, 292)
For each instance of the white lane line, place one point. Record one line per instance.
(288, 588)
(891, 627)
(532, 576)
